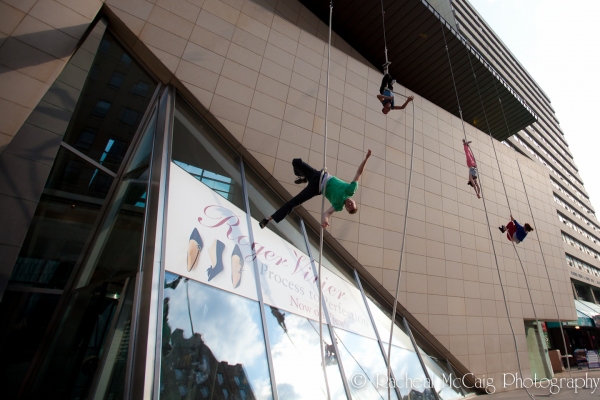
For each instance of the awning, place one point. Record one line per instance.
(588, 314)
(590, 310)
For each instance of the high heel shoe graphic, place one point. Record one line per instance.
(194, 249)
(237, 266)
(216, 257)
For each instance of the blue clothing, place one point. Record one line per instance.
(520, 234)
(388, 93)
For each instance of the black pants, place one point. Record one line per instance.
(311, 190)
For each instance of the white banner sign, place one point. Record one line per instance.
(208, 241)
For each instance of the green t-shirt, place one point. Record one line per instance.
(337, 191)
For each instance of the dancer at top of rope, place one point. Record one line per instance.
(386, 95)
(514, 231)
(338, 192)
(472, 168)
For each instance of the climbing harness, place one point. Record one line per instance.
(323, 209)
(485, 206)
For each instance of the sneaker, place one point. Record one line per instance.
(263, 223)
(502, 228)
(300, 180)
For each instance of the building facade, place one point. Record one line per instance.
(142, 141)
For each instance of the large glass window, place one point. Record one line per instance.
(364, 366)
(76, 350)
(117, 249)
(25, 318)
(212, 343)
(297, 357)
(62, 348)
(198, 150)
(62, 222)
(111, 105)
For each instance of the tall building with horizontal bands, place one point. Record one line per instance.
(142, 142)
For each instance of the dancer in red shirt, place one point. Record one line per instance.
(472, 168)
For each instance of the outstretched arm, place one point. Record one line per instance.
(361, 168)
(403, 106)
(325, 217)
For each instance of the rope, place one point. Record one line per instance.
(365, 373)
(323, 207)
(538, 238)
(486, 214)
(501, 176)
(545, 265)
(389, 352)
(384, 39)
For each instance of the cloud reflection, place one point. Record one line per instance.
(230, 326)
(297, 359)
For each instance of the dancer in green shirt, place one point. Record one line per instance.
(338, 192)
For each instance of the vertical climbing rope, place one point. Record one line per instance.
(530, 211)
(545, 265)
(385, 66)
(393, 319)
(486, 215)
(324, 188)
(537, 236)
(389, 353)
(501, 176)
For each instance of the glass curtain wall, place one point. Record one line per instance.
(62, 334)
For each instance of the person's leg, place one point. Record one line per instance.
(472, 183)
(477, 188)
(511, 229)
(310, 191)
(303, 169)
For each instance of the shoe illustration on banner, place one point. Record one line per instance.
(216, 257)
(194, 249)
(237, 266)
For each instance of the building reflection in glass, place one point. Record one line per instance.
(213, 344)
(297, 357)
(362, 358)
(441, 379)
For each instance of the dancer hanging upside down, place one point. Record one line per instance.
(515, 232)
(338, 192)
(472, 168)
(386, 95)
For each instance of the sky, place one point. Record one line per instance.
(559, 45)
